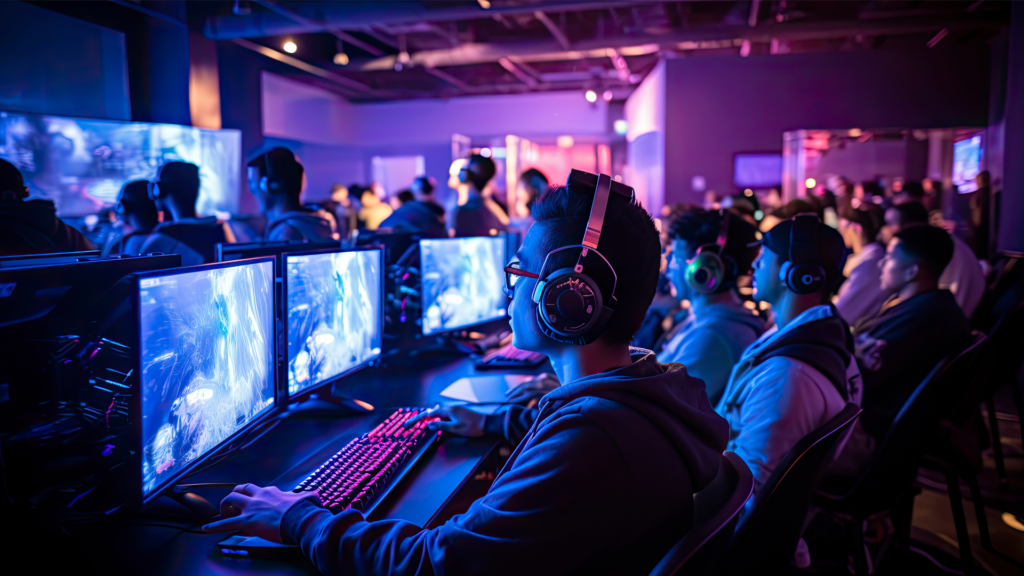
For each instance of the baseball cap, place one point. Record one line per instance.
(831, 247)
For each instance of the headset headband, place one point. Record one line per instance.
(803, 236)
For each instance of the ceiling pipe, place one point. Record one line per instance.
(359, 16)
(302, 20)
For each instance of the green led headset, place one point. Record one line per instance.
(709, 267)
(803, 273)
(575, 304)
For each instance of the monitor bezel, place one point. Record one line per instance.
(305, 393)
(423, 333)
(267, 413)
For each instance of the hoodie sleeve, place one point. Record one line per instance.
(783, 405)
(539, 517)
(513, 423)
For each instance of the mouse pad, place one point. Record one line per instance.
(483, 388)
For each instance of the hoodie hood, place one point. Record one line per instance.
(38, 214)
(672, 400)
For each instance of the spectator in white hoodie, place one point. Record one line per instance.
(800, 373)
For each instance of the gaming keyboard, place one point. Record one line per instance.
(360, 474)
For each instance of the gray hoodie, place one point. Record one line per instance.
(711, 341)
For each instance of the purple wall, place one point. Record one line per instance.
(717, 107)
(1011, 233)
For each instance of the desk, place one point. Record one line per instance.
(283, 457)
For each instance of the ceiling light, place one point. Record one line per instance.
(290, 47)
(485, 152)
(565, 141)
(341, 59)
(607, 95)
(748, 192)
(485, 4)
(811, 183)
(621, 127)
(590, 95)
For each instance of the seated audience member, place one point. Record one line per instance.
(532, 183)
(345, 209)
(860, 296)
(895, 349)
(374, 210)
(32, 226)
(622, 424)
(709, 252)
(963, 275)
(421, 215)
(139, 213)
(480, 215)
(800, 373)
(276, 179)
(176, 193)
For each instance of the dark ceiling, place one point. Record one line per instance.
(440, 49)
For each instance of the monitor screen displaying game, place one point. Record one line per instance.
(462, 282)
(206, 346)
(757, 170)
(966, 164)
(82, 164)
(334, 315)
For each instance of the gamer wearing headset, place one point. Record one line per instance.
(801, 372)
(31, 226)
(176, 192)
(603, 482)
(709, 252)
(276, 179)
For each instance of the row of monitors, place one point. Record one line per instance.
(207, 340)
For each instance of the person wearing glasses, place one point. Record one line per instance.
(602, 483)
(139, 214)
(175, 193)
(32, 226)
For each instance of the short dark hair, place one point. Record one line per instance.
(794, 207)
(405, 196)
(484, 171)
(697, 226)
(911, 213)
(181, 181)
(134, 199)
(282, 163)
(867, 215)
(536, 182)
(426, 184)
(930, 247)
(629, 241)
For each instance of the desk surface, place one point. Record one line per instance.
(283, 457)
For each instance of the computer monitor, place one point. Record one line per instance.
(967, 164)
(22, 260)
(757, 170)
(206, 362)
(462, 281)
(227, 252)
(334, 315)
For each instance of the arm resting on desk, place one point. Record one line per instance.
(548, 512)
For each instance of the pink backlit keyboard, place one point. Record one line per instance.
(362, 472)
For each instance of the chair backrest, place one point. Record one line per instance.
(716, 509)
(893, 467)
(767, 535)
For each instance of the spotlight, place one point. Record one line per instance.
(811, 183)
(621, 127)
(290, 47)
(341, 59)
(607, 95)
(565, 141)
(748, 192)
(591, 96)
(485, 152)
(485, 4)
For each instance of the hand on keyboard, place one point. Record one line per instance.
(458, 420)
(533, 389)
(256, 511)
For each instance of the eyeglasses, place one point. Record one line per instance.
(512, 274)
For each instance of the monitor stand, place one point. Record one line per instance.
(331, 406)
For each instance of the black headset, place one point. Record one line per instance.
(572, 307)
(270, 183)
(803, 273)
(710, 266)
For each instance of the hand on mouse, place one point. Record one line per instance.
(256, 511)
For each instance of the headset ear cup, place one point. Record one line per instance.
(805, 278)
(586, 325)
(705, 272)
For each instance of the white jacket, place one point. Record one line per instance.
(779, 401)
